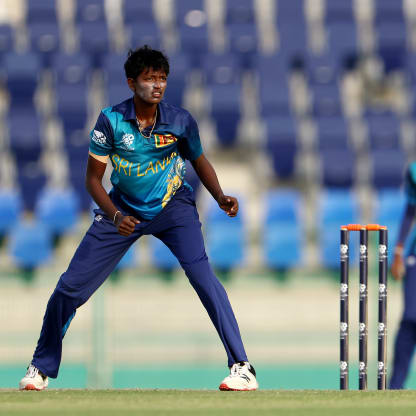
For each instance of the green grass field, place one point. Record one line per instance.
(208, 402)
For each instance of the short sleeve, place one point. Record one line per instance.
(101, 137)
(190, 147)
(410, 184)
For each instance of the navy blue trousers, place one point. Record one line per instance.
(405, 342)
(178, 226)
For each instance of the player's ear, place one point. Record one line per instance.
(131, 83)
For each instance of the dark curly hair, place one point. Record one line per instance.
(144, 58)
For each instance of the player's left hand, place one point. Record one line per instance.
(229, 204)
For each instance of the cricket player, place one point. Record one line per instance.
(147, 141)
(406, 336)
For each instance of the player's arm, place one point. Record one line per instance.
(93, 182)
(208, 177)
(397, 268)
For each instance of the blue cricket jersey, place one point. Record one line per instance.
(146, 171)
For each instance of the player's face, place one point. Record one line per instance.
(149, 86)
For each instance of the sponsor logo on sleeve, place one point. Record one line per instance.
(99, 137)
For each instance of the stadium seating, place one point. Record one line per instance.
(162, 257)
(339, 10)
(6, 39)
(389, 207)
(22, 72)
(10, 209)
(387, 168)
(41, 11)
(335, 208)
(30, 244)
(281, 144)
(283, 234)
(225, 238)
(58, 210)
(332, 133)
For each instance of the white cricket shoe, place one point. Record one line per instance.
(33, 380)
(242, 378)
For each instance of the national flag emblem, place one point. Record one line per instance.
(164, 140)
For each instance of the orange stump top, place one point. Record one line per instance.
(368, 227)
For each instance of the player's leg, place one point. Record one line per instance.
(406, 336)
(96, 257)
(181, 232)
(403, 352)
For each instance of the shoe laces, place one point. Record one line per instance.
(32, 371)
(236, 370)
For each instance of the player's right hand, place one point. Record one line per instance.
(126, 224)
(397, 268)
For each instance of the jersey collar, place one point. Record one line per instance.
(129, 113)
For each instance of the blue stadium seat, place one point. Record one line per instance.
(129, 260)
(25, 135)
(41, 11)
(293, 41)
(30, 244)
(31, 179)
(10, 209)
(44, 39)
(22, 71)
(387, 168)
(162, 257)
(332, 133)
(221, 68)
(322, 69)
(239, 11)
(338, 168)
(225, 237)
(94, 40)
(342, 40)
(383, 130)
(389, 207)
(57, 209)
(116, 88)
(243, 41)
(339, 10)
(135, 11)
(226, 112)
(282, 230)
(77, 145)
(117, 92)
(336, 208)
(72, 107)
(90, 11)
(190, 12)
(326, 99)
(292, 12)
(281, 144)
(292, 30)
(392, 44)
(388, 11)
(273, 75)
(145, 33)
(72, 68)
(77, 169)
(274, 98)
(194, 42)
(6, 39)
(180, 65)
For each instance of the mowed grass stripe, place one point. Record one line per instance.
(186, 402)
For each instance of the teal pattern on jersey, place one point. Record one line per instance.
(146, 171)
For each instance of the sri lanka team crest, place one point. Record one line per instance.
(164, 140)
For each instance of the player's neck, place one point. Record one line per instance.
(145, 112)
